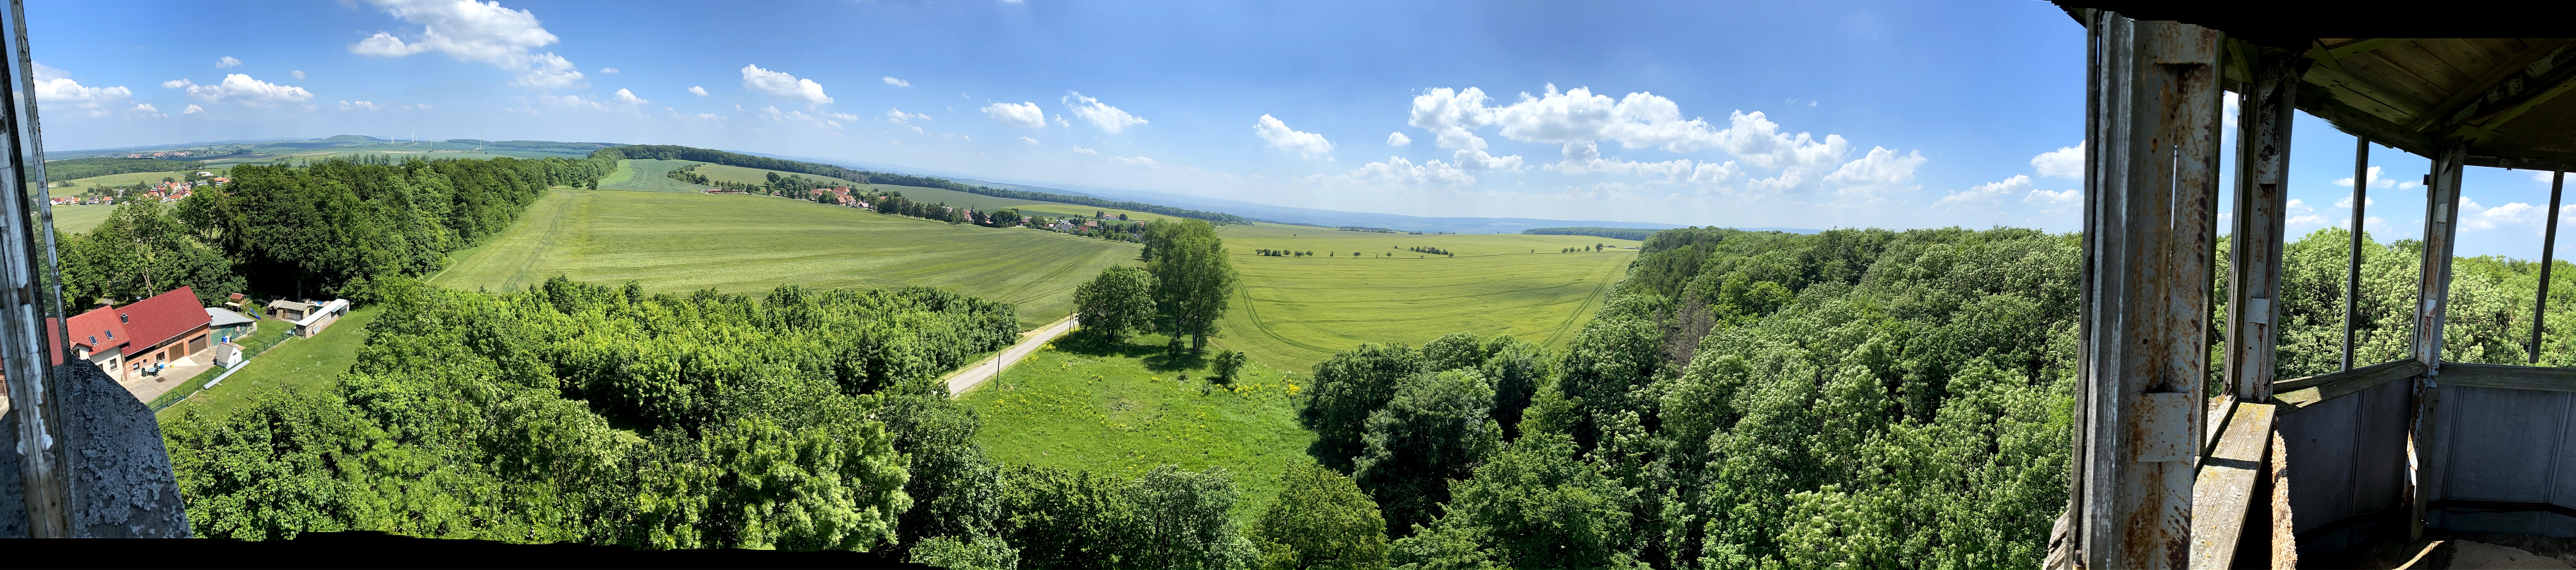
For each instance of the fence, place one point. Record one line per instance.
(257, 343)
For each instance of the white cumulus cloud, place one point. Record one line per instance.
(627, 97)
(1991, 193)
(1303, 143)
(1086, 151)
(1022, 114)
(890, 80)
(780, 84)
(607, 70)
(227, 61)
(1398, 139)
(1111, 119)
(1136, 161)
(55, 87)
(2377, 182)
(475, 31)
(2065, 162)
(1029, 140)
(698, 91)
(297, 74)
(359, 106)
(243, 89)
(192, 109)
(1396, 171)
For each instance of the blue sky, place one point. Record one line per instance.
(1782, 114)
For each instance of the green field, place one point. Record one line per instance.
(306, 363)
(1292, 312)
(77, 219)
(744, 175)
(750, 244)
(647, 175)
(1123, 410)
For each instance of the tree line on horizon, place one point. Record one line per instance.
(676, 152)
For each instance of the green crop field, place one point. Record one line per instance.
(309, 364)
(1292, 312)
(647, 175)
(77, 219)
(1122, 410)
(750, 244)
(738, 174)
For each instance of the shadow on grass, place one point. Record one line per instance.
(1152, 354)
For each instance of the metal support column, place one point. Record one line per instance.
(2151, 186)
(2352, 262)
(2261, 215)
(29, 292)
(2548, 248)
(2433, 292)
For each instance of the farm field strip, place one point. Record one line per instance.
(77, 219)
(1292, 312)
(750, 244)
(647, 175)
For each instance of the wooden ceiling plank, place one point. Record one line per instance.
(2419, 57)
(2533, 51)
(2394, 100)
(2471, 61)
(2345, 118)
(2380, 70)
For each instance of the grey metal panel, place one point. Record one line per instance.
(2530, 523)
(2503, 444)
(2379, 466)
(2321, 455)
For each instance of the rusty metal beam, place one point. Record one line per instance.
(2352, 260)
(2261, 214)
(2150, 201)
(2529, 85)
(2548, 248)
(2433, 292)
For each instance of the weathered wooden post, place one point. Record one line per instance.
(2152, 116)
(28, 295)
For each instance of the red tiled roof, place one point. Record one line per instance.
(140, 326)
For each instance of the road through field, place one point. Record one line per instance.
(966, 378)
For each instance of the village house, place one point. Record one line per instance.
(141, 338)
(308, 317)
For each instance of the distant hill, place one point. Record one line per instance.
(354, 138)
(1638, 234)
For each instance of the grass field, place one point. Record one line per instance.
(989, 203)
(1292, 312)
(307, 363)
(647, 175)
(751, 244)
(1123, 410)
(723, 173)
(77, 219)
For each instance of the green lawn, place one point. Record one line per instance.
(77, 219)
(1292, 312)
(307, 363)
(648, 175)
(750, 244)
(1123, 410)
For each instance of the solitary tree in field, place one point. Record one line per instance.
(1191, 277)
(1119, 300)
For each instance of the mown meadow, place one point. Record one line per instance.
(742, 243)
(1294, 311)
(646, 175)
(1123, 408)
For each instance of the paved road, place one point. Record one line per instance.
(966, 379)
